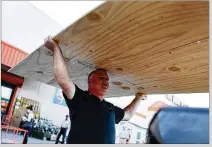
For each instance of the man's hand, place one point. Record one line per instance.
(50, 43)
(132, 107)
(141, 96)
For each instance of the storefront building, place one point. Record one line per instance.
(10, 84)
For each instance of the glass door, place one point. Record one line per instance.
(6, 94)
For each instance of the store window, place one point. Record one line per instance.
(141, 135)
(6, 94)
(5, 98)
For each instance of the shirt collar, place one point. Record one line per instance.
(95, 97)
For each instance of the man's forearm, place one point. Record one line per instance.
(131, 108)
(60, 67)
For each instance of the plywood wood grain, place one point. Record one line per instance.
(155, 47)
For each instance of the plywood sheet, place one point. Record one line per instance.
(155, 47)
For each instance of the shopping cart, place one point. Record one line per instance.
(10, 135)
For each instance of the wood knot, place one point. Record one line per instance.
(94, 16)
(140, 88)
(174, 68)
(119, 69)
(117, 83)
(125, 88)
(39, 72)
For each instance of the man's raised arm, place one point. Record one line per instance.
(133, 106)
(60, 68)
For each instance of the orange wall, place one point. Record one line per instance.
(10, 55)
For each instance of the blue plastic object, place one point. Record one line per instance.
(178, 125)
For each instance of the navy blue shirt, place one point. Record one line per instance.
(92, 120)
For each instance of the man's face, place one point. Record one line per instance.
(99, 81)
(27, 110)
(123, 128)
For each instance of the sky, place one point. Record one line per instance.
(66, 13)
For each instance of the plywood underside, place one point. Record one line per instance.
(154, 47)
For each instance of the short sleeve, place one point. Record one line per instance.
(76, 100)
(119, 114)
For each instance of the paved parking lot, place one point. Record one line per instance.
(8, 139)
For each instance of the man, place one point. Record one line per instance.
(63, 130)
(129, 136)
(27, 123)
(93, 119)
(124, 135)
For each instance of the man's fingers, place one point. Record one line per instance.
(50, 38)
(141, 95)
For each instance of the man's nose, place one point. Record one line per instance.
(105, 83)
